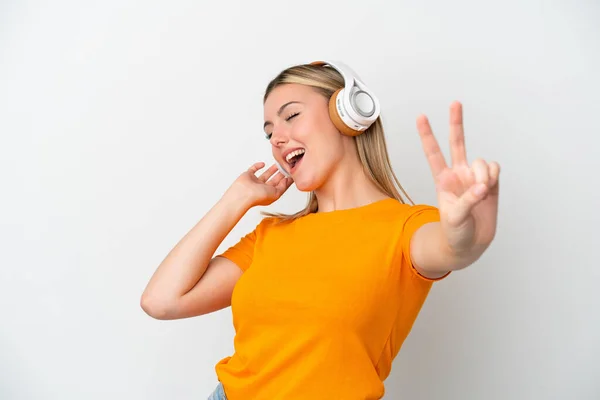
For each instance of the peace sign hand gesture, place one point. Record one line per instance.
(467, 195)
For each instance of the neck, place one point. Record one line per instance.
(349, 186)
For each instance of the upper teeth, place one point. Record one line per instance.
(294, 154)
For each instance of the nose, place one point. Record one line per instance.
(278, 137)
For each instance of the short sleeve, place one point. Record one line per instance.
(242, 252)
(416, 217)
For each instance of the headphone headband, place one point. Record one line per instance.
(348, 75)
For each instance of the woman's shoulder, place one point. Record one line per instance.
(392, 207)
(268, 223)
(388, 210)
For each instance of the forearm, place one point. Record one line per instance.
(188, 260)
(431, 252)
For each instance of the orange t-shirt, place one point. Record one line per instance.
(324, 303)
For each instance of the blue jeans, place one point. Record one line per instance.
(218, 394)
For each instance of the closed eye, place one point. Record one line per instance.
(292, 116)
(288, 118)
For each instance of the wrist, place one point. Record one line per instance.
(463, 258)
(236, 199)
(435, 252)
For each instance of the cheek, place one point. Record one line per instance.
(317, 132)
(312, 125)
(302, 130)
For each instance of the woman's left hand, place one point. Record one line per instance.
(467, 194)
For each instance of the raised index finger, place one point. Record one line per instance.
(256, 166)
(434, 155)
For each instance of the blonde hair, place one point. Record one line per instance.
(371, 145)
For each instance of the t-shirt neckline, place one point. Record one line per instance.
(353, 210)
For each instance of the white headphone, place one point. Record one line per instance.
(353, 108)
(283, 171)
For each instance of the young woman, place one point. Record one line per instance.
(324, 298)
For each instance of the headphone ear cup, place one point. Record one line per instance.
(337, 120)
(282, 170)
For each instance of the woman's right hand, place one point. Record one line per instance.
(260, 190)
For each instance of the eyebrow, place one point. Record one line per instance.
(280, 111)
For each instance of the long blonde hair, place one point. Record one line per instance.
(371, 145)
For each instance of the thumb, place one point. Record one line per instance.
(469, 199)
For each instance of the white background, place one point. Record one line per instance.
(123, 122)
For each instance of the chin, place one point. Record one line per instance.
(305, 189)
(307, 184)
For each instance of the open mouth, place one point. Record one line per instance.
(294, 157)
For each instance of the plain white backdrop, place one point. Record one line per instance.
(123, 122)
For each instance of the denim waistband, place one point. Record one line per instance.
(218, 394)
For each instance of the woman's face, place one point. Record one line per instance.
(303, 138)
